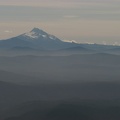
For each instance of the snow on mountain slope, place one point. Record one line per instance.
(38, 33)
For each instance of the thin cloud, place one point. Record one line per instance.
(70, 41)
(70, 16)
(7, 31)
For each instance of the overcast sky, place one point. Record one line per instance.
(92, 21)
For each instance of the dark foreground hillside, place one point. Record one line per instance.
(86, 101)
(84, 110)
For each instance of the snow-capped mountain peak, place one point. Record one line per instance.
(37, 33)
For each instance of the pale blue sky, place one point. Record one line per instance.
(92, 21)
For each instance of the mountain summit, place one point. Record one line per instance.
(37, 33)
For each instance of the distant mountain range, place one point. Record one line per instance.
(37, 40)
